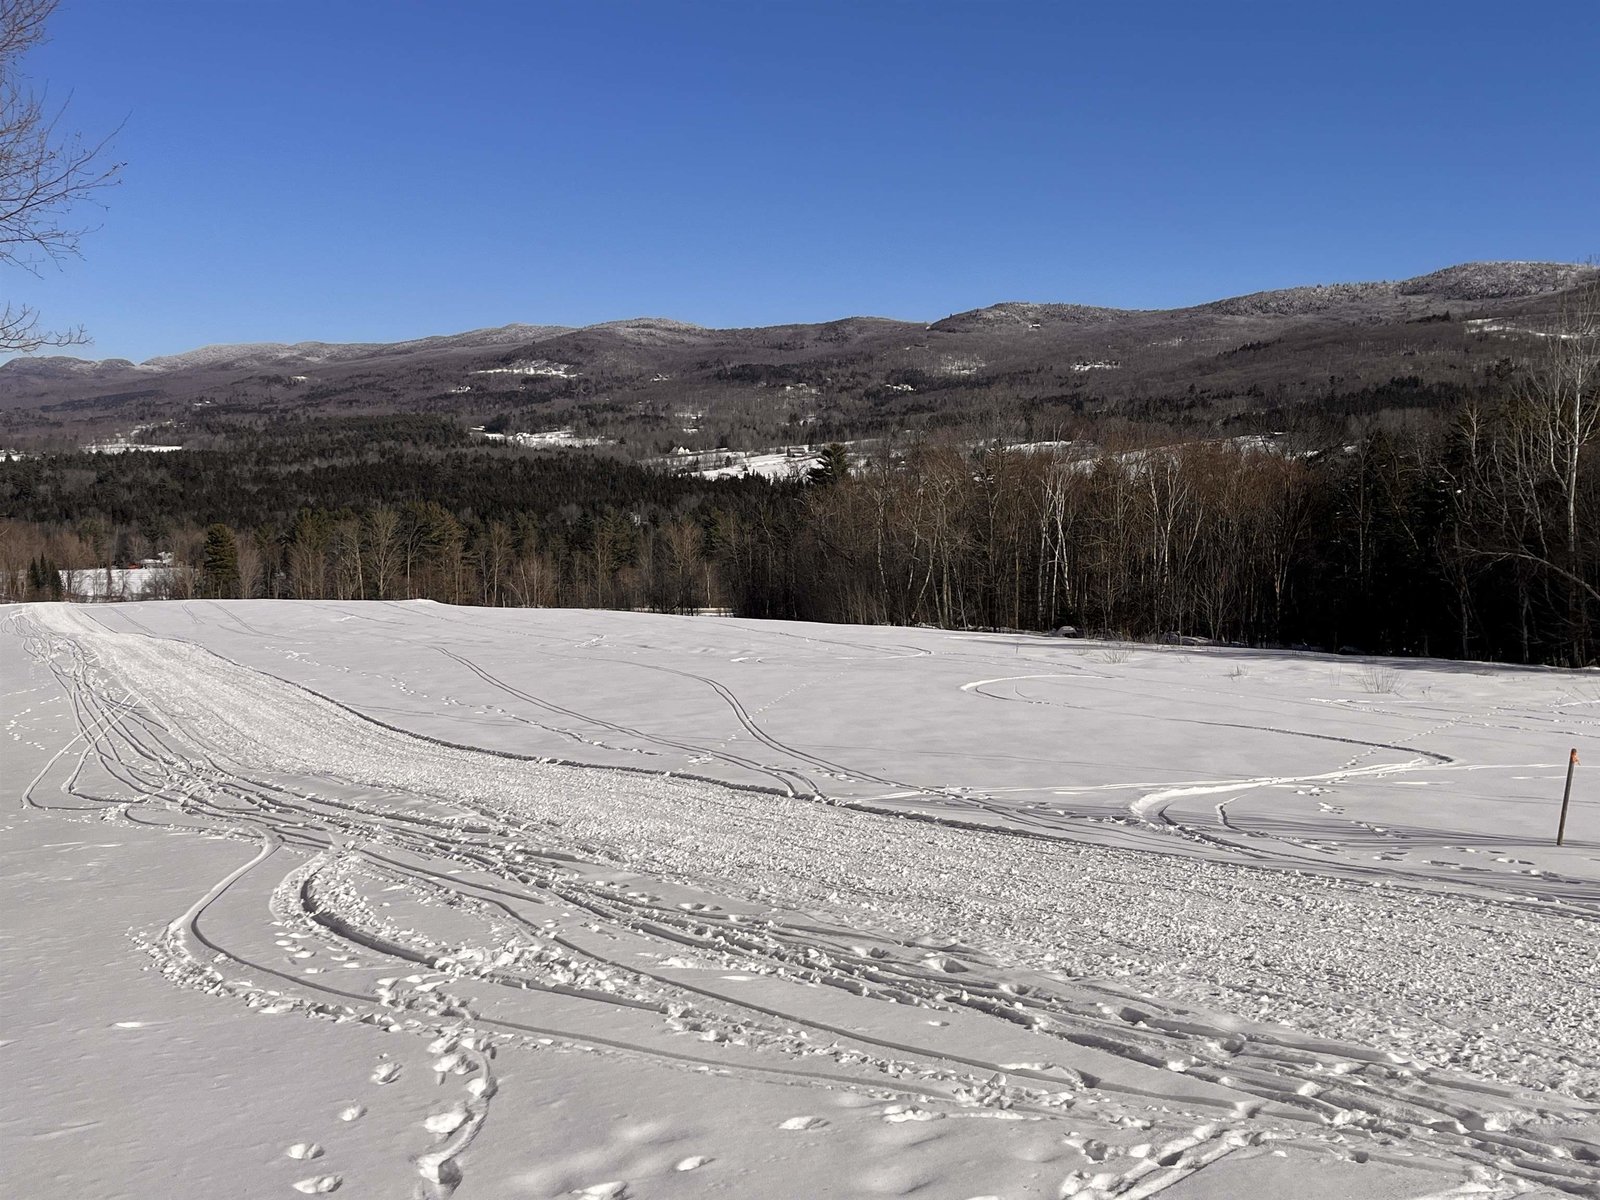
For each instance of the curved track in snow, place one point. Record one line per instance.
(490, 901)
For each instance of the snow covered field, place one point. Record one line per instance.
(401, 899)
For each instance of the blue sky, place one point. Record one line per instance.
(375, 169)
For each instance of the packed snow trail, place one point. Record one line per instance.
(478, 897)
(887, 718)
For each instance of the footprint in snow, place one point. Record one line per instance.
(899, 1114)
(615, 1190)
(386, 1072)
(452, 1063)
(803, 1123)
(692, 1164)
(304, 1150)
(446, 1122)
(319, 1185)
(353, 1113)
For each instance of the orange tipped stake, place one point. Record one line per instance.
(1566, 796)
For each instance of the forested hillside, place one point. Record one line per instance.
(1243, 365)
(1448, 530)
(1191, 485)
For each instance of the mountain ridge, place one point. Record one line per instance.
(1465, 282)
(653, 385)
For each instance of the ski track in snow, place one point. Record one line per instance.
(491, 903)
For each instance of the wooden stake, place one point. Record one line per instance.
(1566, 796)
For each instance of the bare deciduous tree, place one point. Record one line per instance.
(1520, 482)
(380, 537)
(248, 551)
(1564, 396)
(46, 172)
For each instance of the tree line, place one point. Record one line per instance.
(1469, 529)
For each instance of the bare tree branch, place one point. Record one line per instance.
(20, 333)
(46, 173)
(1540, 561)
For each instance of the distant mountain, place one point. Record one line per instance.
(1032, 316)
(1465, 283)
(1496, 280)
(257, 355)
(61, 366)
(1274, 348)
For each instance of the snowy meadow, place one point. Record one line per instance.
(401, 899)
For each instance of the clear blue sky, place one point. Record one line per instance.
(376, 169)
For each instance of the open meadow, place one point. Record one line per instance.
(402, 899)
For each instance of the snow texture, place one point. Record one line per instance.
(442, 902)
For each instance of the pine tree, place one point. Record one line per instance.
(220, 566)
(833, 466)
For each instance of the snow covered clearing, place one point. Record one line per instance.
(129, 448)
(397, 899)
(539, 366)
(123, 583)
(783, 462)
(549, 439)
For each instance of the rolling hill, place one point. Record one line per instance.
(659, 383)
